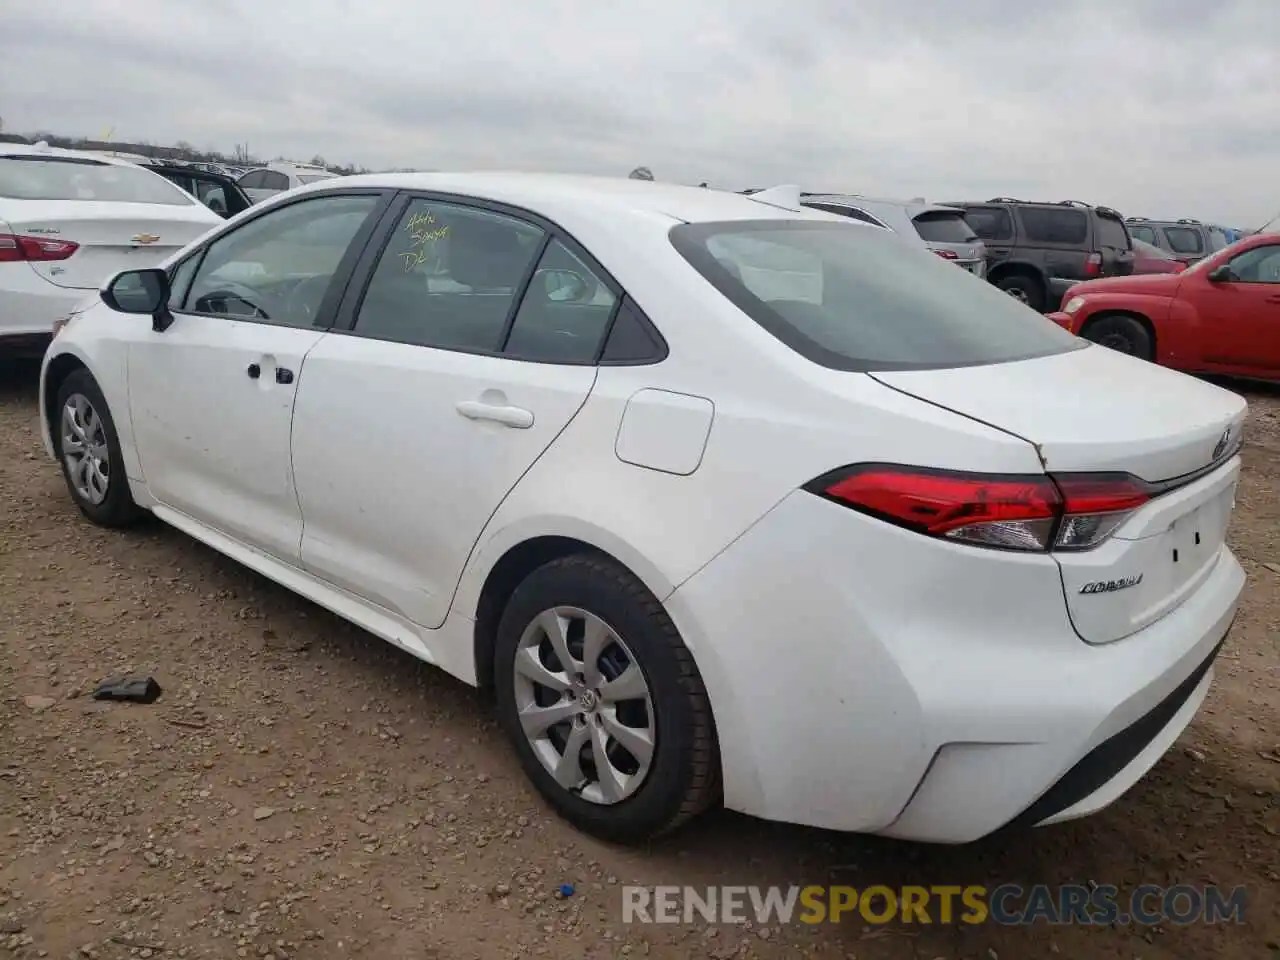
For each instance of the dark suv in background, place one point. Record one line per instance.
(1037, 251)
(1185, 240)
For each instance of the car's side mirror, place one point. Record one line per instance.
(1221, 274)
(140, 292)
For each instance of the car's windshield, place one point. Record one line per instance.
(66, 178)
(857, 299)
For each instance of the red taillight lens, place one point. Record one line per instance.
(947, 254)
(14, 248)
(1093, 266)
(1028, 512)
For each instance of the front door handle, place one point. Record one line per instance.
(254, 371)
(517, 417)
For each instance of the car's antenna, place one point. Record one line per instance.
(1268, 223)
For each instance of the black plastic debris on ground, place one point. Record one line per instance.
(131, 689)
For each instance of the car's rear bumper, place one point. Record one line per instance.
(29, 305)
(865, 678)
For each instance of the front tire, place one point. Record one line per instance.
(603, 702)
(88, 448)
(1122, 334)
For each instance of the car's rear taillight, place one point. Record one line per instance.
(1035, 512)
(15, 248)
(947, 254)
(1093, 265)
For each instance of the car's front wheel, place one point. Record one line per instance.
(88, 448)
(1123, 334)
(603, 702)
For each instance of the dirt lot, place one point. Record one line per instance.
(303, 790)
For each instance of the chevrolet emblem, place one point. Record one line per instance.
(145, 238)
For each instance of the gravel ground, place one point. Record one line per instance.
(303, 790)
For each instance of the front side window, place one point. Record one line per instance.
(274, 180)
(1258, 265)
(1184, 240)
(1145, 234)
(854, 299)
(1061, 225)
(277, 267)
(33, 177)
(1218, 239)
(449, 277)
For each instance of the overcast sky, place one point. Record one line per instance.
(1161, 108)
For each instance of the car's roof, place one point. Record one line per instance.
(22, 149)
(912, 207)
(551, 192)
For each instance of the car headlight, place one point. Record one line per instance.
(1074, 304)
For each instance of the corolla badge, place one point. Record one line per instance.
(1111, 586)
(145, 238)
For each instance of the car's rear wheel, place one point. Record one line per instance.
(1123, 334)
(88, 448)
(603, 702)
(1025, 289)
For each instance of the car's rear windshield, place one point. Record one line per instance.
(66, 178)
(942, 226)
(1111, 233)
(853, 298)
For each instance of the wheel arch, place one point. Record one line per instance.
(55, 372)
(1020, 268)
(1145, 321)
(510, 556)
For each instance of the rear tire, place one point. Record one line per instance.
(88, 449)
(1026, 289)
(1122, 334)
(658, 706)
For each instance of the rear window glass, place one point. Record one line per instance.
(47, 178)
(1184, 240)
(855, 299)
(1049, 225)
(1111, 233)
(941, 227)
(1218, 239)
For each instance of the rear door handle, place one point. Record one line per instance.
(284, 375)
(517, 417)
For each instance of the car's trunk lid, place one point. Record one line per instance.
(1094, 410)
(111, 236)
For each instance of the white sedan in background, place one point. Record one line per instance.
(726, 499)
(71, 220)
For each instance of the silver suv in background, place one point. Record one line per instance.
(942, 229)
(1185, 240)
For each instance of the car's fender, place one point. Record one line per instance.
(94, 339)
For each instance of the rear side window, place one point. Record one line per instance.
(990, 223)
(48, 178)
(1184, 240)
(941, 227)
(1218, 239)
(253, 180)
(274, 180)
(854, 299)
(1111, 233)
(1055, 225)
(1145, 234)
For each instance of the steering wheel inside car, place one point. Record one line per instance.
(306, 307)
(218, 300)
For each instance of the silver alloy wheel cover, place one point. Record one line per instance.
(587, 702)
(84, 449)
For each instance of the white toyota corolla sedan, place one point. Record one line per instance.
(727, 500)
(70, 220)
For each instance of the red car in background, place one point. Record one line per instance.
(1148, 258)
(1220, 315)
